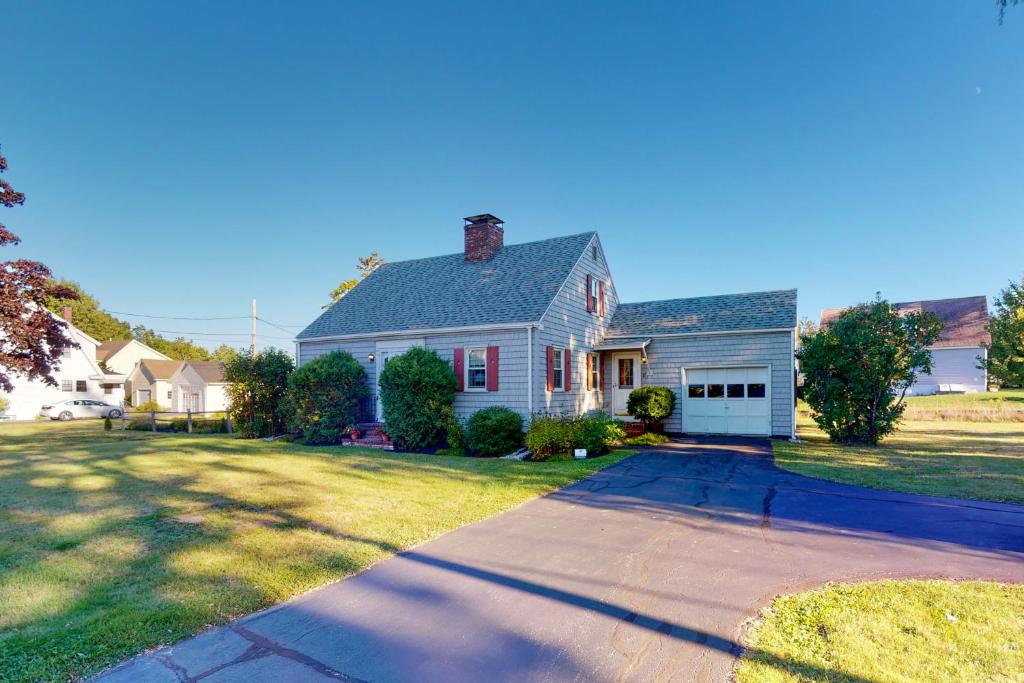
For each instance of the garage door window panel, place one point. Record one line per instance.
(735, 391)
(716, 391)
(695, 391)
(755, 391)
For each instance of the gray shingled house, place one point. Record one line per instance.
(539, 327)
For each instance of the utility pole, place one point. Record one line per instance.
(254, 326)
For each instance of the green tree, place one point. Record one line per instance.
(417, 390)
(87, 315)
(365, 265)
(224, 353)
(858, 368)
(1005, 363)
(257, 390)
(176, 349)
(326, 395)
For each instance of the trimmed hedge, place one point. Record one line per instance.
(651, 404)
(325, 396)
(494, 431)
(417, 390)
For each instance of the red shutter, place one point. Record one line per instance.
(568, 369)
(590, 300)
(551, 368)
(460, 371)
(590, 372)
(600, 298)
(492, 368)
(600, 370)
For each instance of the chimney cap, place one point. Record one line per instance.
(483, 218)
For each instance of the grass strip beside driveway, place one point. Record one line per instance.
(973, 460)
(906, 631)
(111, 544)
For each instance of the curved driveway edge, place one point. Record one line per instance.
(645, 571)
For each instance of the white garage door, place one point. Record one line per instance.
(727, 401)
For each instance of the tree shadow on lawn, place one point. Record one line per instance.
(108, 548)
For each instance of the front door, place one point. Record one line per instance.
(625, 378)
(385, 351)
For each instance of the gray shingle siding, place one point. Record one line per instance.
(668, 355)
(512, 364)
(568, 324)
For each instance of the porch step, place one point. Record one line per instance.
(374, 441)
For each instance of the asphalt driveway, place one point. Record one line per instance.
(645, 571)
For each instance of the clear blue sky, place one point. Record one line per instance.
(181, 159)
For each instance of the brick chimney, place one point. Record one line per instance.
(484, 237)
(66, 314)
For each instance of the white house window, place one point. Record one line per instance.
(65, 385)
(595, 294)
(595, 371)
(168, 395)
(558, 369)
(476, 369)
(80, 385)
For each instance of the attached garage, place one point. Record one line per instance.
(727, 400)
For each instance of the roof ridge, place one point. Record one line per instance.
(706, 296)
(504, 246)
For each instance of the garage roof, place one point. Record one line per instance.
(724, 313)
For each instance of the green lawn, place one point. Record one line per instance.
(113, 543)
(898, 631)
(994, 406)
(978, 460)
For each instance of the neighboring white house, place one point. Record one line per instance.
(963, 341)
(78, 377)
(151, 381)
(199, 386)
(121, 356)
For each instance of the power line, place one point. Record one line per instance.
(280, 327)
(171, 317)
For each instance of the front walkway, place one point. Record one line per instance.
(645, 571)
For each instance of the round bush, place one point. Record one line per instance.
(494, 431)
(325, 395)
(651, 404)
(417, 390)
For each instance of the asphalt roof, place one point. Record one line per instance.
(516, 285)
(109, 348)
(964, 319)
(722, 313)
(159, 369)
(210, 371)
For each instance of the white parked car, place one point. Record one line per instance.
(80, 407)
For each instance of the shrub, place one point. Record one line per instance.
(857, 369)
(496, 430)
(107, 424)
(646, 439)
(325, 395)
(417, 390)
(598, 433)
(650, 404)
(257, 388)
(454, 433)
(551, 437)
(150, 406)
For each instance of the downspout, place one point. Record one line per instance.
(529, 369)
(792, 398)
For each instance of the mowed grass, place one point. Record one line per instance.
(994, 406)
(898, 631)
(976, 460)
(111, 543)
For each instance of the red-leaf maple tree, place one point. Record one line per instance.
(32, 340)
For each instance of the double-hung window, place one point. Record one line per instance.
(80, 385)
(595, 294)
(476, 370)
(558, 369)
(65, 385)
(595, 371)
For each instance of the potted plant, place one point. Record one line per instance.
(384, 437)
(353, 432)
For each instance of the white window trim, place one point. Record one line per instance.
(469, 352)
(595, 370)
(558, 367)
